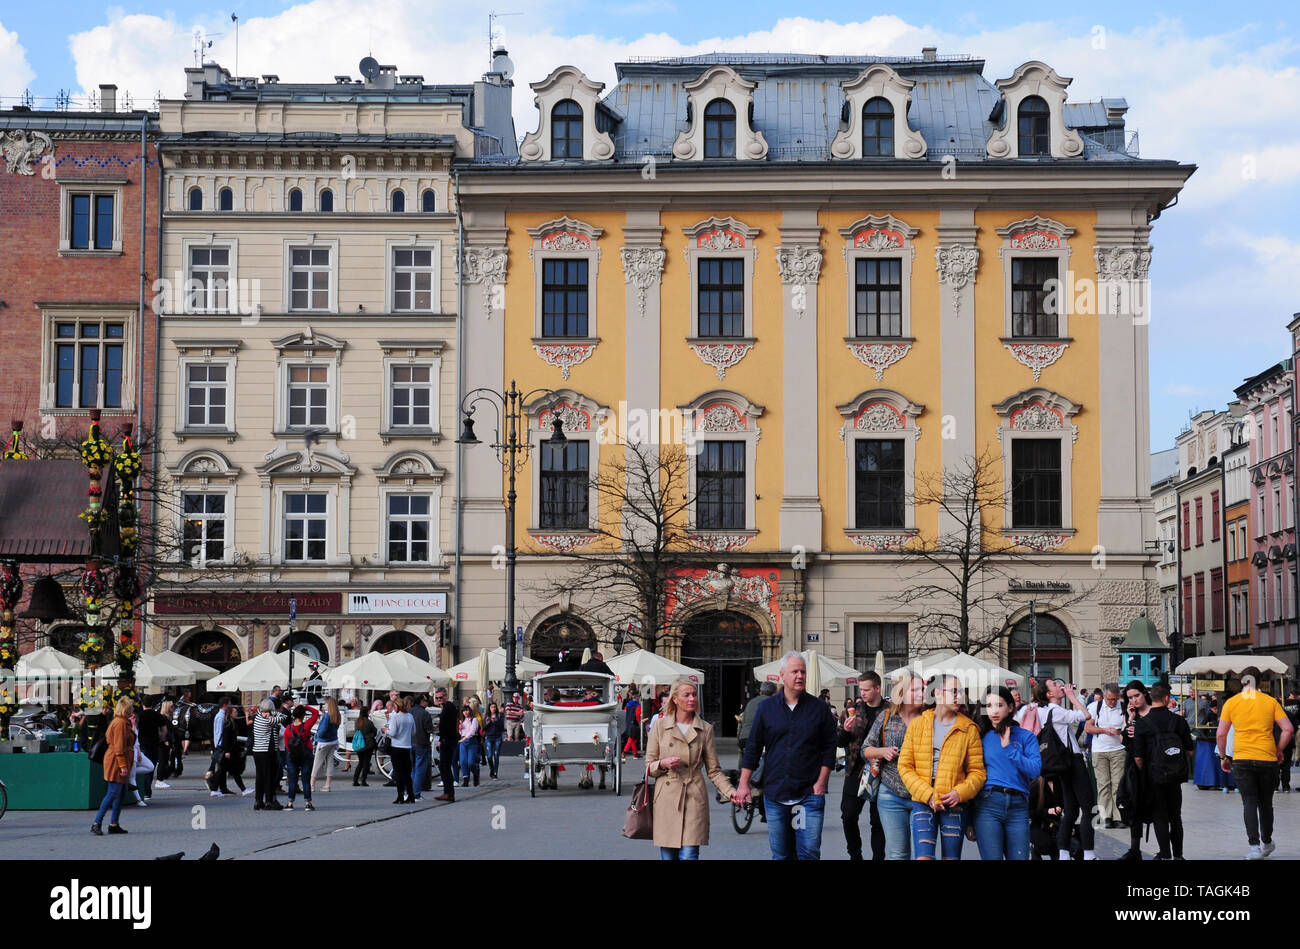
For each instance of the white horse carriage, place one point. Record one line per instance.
(575, 721)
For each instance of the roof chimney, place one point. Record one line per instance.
(107, 97)
(929, 53)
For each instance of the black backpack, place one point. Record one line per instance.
(299, 748)
(1056, 757)
(1168, 764)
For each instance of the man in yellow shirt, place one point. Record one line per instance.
(1252, 714)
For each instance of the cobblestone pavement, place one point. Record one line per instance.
(498, 819)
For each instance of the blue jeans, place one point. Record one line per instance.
(896, 818)
(927, 825)
(112, 796)
(1002, 825)
(674, 853)
(419, 769)
(299, 775)
(468, 757)
(493, 755)
(794, 831)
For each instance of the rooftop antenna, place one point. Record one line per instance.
(493, 34)
(202, 44)
(234, 18)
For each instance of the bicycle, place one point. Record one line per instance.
(742, 815)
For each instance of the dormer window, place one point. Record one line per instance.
(566, 130)
(720, 129)
(226, 200)
(878, 129)
(1034, 128)
(196, 199)
(295, 200)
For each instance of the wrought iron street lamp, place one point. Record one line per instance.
(512, 453)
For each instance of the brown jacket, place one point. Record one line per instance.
(120, 752)
(681, 797)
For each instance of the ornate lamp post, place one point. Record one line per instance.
(512, 453)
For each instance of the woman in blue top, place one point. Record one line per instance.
(1012, 761)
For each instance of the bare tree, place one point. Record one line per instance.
(643, 506)
(958, 579)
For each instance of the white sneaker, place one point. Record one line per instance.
(1255, 853)
(214, 794)
(141, 804)
(1267, 848)
(247, 791)
(161, 784)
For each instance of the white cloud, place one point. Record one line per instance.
(16, 73)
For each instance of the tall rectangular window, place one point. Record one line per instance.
(1216, 599)
(103, 222)
(889, 638)
(1279, 597)
(305, 527)
(720, 486)
(564, 298)
(205, 396)
(1036, 482)
(1035, 296)
(412, 396)
(878, 483)
(879, 296)
(204, 528)
(1232, 544)
(308, 396)
(1189, 622)
(309, 278)
(1263, 598)
(1277, 509)
(565, 486)
(1187, 525)
(408, 528)
(91, 221)
(721, 292)
(209, 280)
(89, 364)
(1262, 527)
(413, 279)
(1200, 603)
(1214, 515)
(1200, 523)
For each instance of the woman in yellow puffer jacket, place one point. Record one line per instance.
(942, 764)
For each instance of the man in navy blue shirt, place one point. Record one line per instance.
(796, 733)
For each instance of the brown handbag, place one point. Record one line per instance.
(639, 823)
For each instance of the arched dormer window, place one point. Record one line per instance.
(399, 201)
(327, 200)
(196, 199)
(295, 199)
(720, 129)
(1034, 127)
(878, 129)
(428, 201)
(226, 200)
(566, 130)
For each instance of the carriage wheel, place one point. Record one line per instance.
(742, 817)
(618, 775)
(385, 765)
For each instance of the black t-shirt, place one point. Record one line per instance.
(151, 722)
(1160, 719)
(447, 723)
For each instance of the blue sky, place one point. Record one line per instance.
(1218, 91)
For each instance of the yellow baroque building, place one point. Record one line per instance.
(841, 282)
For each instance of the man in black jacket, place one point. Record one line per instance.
(420, 745)
(149, 729)
(448, 744)
(597, 664)
(1163, 754)
(849, 737)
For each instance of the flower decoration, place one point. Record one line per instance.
(14, 450)
(128, 653)
(8, 653)
(125, 692)
(96, 453)
(7, 705)
(127, 464)
(11, 587)
(94, 584)
(93, 695)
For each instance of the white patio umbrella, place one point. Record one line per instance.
(642, 667)
(975, 674)
(260, 673)
(152, 672)
(425, 672)
(201, 670)
(880, 663)
(1229, 665)
(467, 671)
(829, 674)
(375, 670)
(48, 663)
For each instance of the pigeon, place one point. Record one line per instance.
(213, 853)
(171, 856)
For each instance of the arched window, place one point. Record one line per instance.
(566, 130)
(720, 129)
(428, 201)
(399, 200)
(878, 129)
(226, 200)
(1034, 127)
(295, 200)
(327, 200)
(196, 199)
(1050, 648)
(565, 633)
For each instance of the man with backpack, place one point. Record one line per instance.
(1162, 755)
(299, 752)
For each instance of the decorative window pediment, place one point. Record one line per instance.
(579, 413)
(1038, 410)
(567, 82)
(204, 464)
(880, 411)
(1034, 79)
(564, 235)
(878, 81)
(720, 82)
(721, 412)
(409, 466)
(309, 342)
(320, 461)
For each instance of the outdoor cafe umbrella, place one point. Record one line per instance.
(880, 664)
(823, 673)
(496, 669)
(260, 673)
(976, 675)
(200, 669)
(152, 672)
(428, 674)
(643, 667)
(48, 663)
(376, 671)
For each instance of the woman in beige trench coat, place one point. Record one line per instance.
(680, 749)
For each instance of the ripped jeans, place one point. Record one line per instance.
(927, 824)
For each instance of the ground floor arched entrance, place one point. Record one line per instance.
(306, 644)
(214, 648)
(725, 646)
(1052, 649)
(562, 633)
(399, 640)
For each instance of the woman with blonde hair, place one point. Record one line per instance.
(679, 747)
(327, 740)
(119, 761)
(880, 750)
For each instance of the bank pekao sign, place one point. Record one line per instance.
(406, 604)
(1038, 586)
